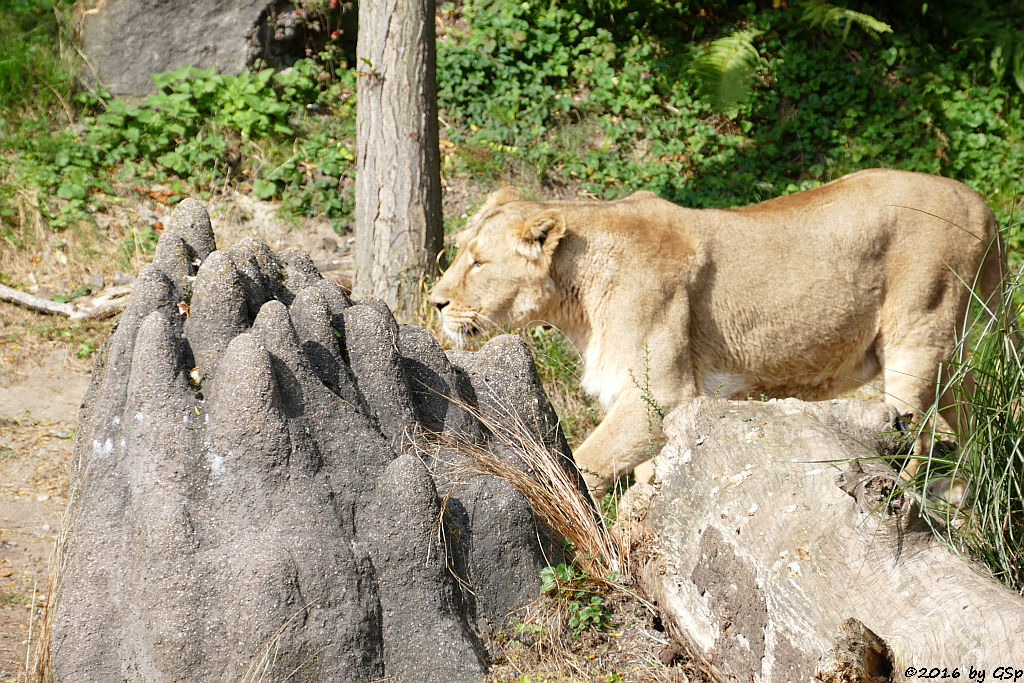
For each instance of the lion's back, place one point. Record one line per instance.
(806, 280)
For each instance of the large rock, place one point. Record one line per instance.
(256, 484)
(127, 40)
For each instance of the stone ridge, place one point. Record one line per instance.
(248, 498)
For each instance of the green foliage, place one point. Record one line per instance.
(78, 292)
(201, 127)
(559, 369)
(655, 411)
(565, 94)
(556, 359)
(1007, 56)
(610, 500)
(86, 348)
(31, 70)
(820, 13)
(570, 585)
(80, 337)
(141, 241)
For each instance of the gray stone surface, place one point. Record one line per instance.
(127, 40)
(256, 484)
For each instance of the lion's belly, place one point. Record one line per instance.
(805, 383)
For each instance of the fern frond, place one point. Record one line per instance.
(1008, 55)
(821, 13)
(1001, 55)
(724, 70)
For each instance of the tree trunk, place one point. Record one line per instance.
(398, 182)
(778, 557)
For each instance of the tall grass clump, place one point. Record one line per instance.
(987, 384)
(554, 490)
(33, 74)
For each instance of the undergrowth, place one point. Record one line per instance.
(606, 96)
(201, 128)
(613, 101)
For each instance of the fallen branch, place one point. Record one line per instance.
(107, 303)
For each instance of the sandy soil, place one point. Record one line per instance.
(41, 386)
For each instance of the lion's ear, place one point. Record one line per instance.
(542, 232)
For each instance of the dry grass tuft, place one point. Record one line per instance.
(39, 656)
(553, 488)
(34, 256)
(631, 645)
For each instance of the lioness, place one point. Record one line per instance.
(807, 295)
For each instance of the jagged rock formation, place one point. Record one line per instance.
(249, 501)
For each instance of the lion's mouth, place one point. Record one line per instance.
(459, 328)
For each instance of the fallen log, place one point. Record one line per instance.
(780, 556)
(107, 303)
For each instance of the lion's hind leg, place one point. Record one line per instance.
(913, 382)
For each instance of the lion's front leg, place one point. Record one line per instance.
(660, 376)
(620, 443)
(624, 438)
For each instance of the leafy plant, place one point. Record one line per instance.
(78, 292)
(200, 127)
(1007, 56)
(821, 13)
(138, 242)
(558, 366)
(32, 72)
(568, 584)
(655, 411)
(726, 67)
(86, 348)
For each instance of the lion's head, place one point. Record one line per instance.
(501, 272)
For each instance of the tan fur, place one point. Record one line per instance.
(807, 295)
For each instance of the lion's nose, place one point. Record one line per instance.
(438, 301)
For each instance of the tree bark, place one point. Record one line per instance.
(398, 183)
(780, 557)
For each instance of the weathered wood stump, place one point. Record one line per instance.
(780, 556)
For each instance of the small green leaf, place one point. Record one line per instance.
(264, 189)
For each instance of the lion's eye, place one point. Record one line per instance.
(477, 264)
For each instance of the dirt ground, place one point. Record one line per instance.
(41, 386)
